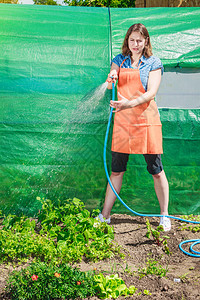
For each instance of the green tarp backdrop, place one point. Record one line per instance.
(53, 62)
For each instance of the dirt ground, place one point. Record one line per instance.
(182, 281)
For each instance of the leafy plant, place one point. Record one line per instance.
(156, 234)
(153, 268)
(19, 240)
(146, 292)
(112, 287)
(189, 226)
(52, 214)
(47, 281)
(61, 233)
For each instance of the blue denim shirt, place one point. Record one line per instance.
(147, 65)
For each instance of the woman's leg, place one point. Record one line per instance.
(119, 163)
(116, 179)
(162, 191)
(155, 168)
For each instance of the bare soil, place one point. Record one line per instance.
(182, 281)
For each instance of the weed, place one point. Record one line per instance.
(128, 270)
(117, 266)
(146, 292)
(183, 298)
(153, 268)
(184, 277)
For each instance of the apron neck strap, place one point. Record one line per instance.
(123, 62)
(139, 65)
(126, 59)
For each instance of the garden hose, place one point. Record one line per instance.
(195, 242)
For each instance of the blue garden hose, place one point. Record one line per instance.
(195, 253)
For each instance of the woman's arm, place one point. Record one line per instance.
(152, 88)
(114, 73)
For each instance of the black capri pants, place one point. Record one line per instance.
(120, 160)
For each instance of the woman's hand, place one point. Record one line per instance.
(112, 76)
(120, 104)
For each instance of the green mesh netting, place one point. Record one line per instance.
(54, 61)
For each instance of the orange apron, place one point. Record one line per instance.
(136, 130)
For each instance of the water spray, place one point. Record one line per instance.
(195, 242)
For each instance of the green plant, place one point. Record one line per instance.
(184, 277)
(117, 266)
(19, 240)
(112, 287)
(52, 214)
(153, 268)
(183, 298)
(146, 292)
(156, 234)
(189, 226)
(46, 281)
(128, 270)
(61, 233)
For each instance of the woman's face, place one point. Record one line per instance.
(136, 42)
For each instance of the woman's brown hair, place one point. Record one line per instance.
(147, 52)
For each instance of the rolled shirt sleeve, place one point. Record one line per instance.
(157, 64)
(118, 59)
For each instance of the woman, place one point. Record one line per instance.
(137, 126)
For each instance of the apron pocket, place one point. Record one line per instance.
(138, 139)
